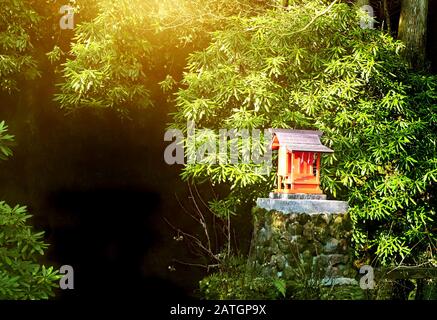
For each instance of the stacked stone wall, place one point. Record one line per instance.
(318, 242)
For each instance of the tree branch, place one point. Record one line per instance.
(316, 17)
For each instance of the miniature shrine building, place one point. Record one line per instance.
(299, 153)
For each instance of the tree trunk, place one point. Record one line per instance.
(386, 15)
(412, 30)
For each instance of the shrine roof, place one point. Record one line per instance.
(299, 140)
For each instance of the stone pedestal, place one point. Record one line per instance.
(292, 235)
(308, 206)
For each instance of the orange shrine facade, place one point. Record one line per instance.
(299, 153)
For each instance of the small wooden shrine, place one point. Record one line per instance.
(299, 153)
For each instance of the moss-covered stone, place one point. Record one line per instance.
(317, 242)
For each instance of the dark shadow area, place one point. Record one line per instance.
(107, 233)
(99, 187)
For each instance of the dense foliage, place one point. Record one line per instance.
(114, 56)
(238, 281)
(21, 275)
(6, 140)
(108, 69)
(241, 280)
(18, 23)
(313, 67)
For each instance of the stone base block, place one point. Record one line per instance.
(309, 206)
